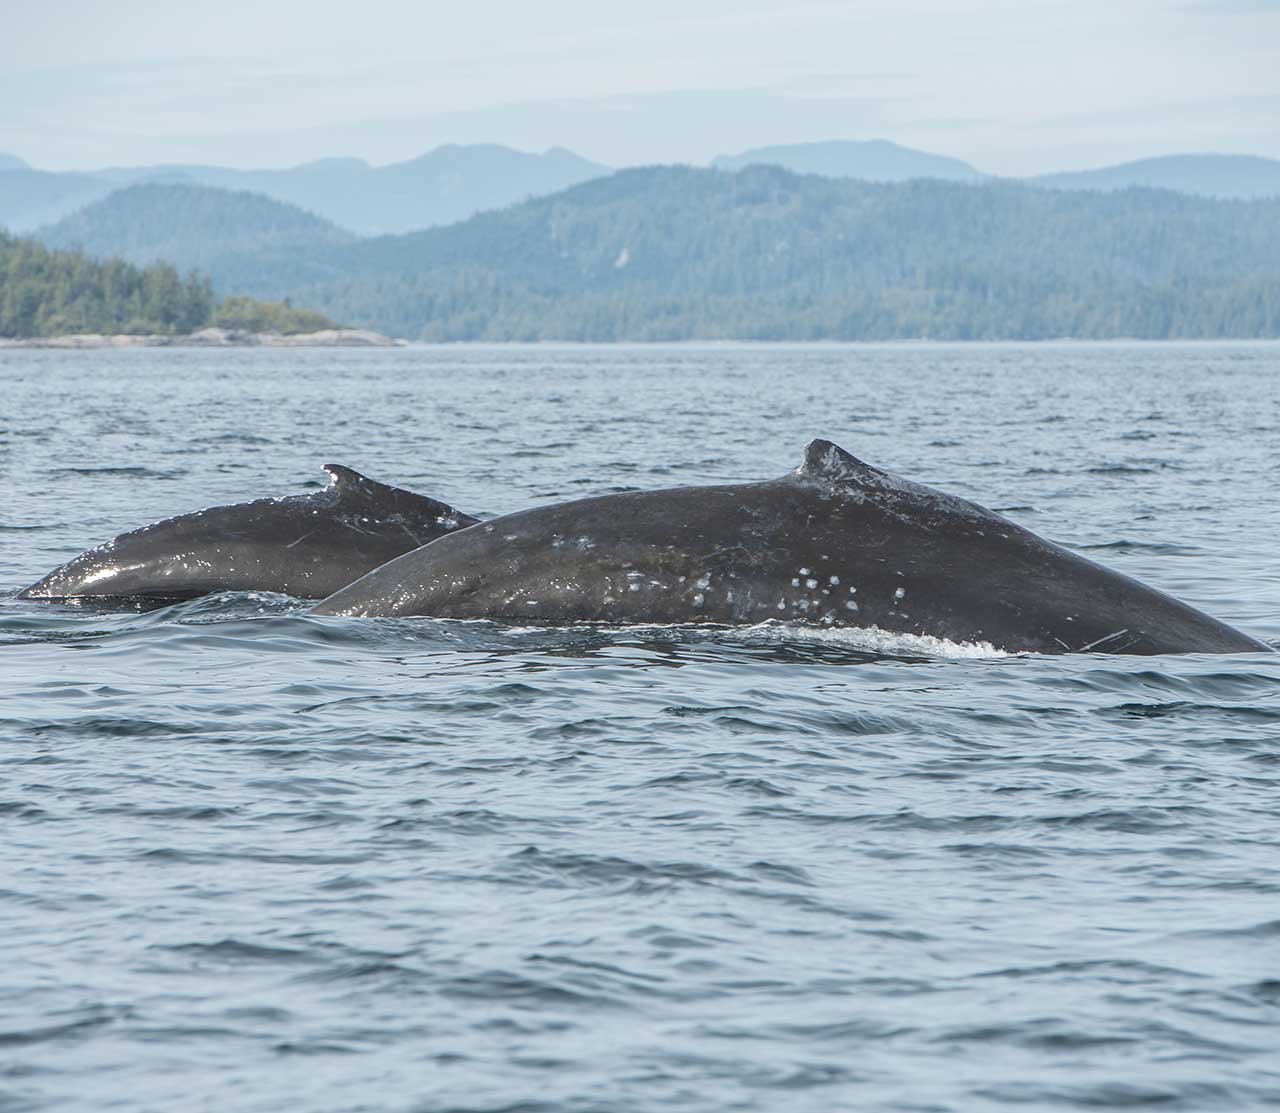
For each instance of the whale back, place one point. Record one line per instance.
(836, 542)
(306, 545)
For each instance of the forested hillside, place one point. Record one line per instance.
(188, 226)
(673, 253)
(680, 253)
(54, 293)
(240, 239)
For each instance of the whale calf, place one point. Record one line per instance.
(836, 543)
(305, 545)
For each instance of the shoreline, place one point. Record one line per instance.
(367, 338)
(213, 338)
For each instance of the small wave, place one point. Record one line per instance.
(1124, 545)
(19, 1037)
(1120, 469)
(133, 473)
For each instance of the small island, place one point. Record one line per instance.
(64, 299)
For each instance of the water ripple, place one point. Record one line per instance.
(260, 861)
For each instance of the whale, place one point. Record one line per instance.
(303, 545)
(836, 543)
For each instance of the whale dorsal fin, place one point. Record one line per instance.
(347, 483)
(345, 480)
(830, 463)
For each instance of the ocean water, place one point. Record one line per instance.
(256, 861)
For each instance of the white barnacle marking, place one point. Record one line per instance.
(804, 571)
(104, 573)
(851, 606)
(704, 582)
(900, 594)
(835, 581)
(633, 587)
(782, 604)
(795, 583)
(699, 599)
(811, 584)
(853, 591)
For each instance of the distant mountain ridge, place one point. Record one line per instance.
(1209, 175)
(442, 186)
(29, 198)
(873, 160)
(452, 183)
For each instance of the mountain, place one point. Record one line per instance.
(195, 227)
(877, 160)
(29, 198)
(1239, 176)
(12, 162)
(445, 185)
(673, 253)
(874, 160)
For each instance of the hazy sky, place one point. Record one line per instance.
(1013, 86)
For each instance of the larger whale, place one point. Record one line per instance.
(836, 543)
(304, 545)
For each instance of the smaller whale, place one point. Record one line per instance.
(304, 545)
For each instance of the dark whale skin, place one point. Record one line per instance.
(304, 545)
(835, 543)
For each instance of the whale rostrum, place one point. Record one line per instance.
(305, 545)
(835, 543)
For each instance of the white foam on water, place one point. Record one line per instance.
(862, 639)
(873, 639)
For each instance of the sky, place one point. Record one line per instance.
(1016, 87)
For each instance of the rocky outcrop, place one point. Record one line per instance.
(217, 338)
